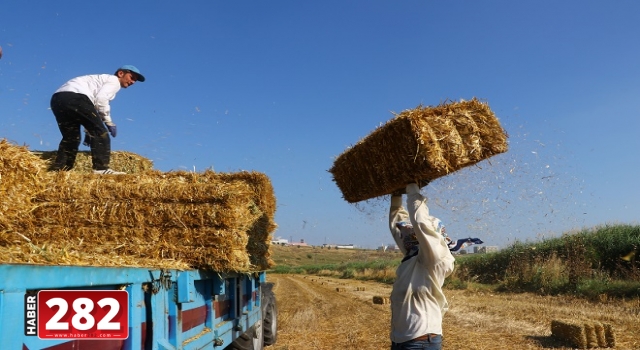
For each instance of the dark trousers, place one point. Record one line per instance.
(73, 110)
(426, 342)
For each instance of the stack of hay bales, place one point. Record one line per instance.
(421, 144)
(217, 221)
(584, 334)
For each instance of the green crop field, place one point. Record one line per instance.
(597, 262)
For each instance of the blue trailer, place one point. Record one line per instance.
(168, 309)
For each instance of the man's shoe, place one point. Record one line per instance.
(108, 172)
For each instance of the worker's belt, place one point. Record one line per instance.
(427, 336)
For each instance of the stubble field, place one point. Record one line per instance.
(331, 313)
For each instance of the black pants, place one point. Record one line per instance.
(73, 110)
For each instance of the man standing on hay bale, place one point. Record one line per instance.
(84, 101)
(417, 301)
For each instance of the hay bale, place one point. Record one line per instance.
(610, 335)
(590, 335)
(381, 300)
(340, 289)
(360, 289)
(21, 177)
(571, 332)
(218, 221)
(420, 144)
(128, 162)
(600, 334)
(584, 334)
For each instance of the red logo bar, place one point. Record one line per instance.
(83, 314)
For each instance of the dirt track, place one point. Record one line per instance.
(313, 314)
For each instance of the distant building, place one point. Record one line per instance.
(345, 246)
(279, 241)
(301, 244)
(338, 246)
(382, 248)
(488, 249)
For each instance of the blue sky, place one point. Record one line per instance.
(284, 87)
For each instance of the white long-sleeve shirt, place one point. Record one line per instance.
(100, 88)
(417, 301)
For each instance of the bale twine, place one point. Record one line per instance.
(424, 143)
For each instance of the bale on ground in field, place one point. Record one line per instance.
(584, 334)
(600, 334)
(381, 300)
(421, 144)
(590, 333)
(571, 332)
(219, 221)
(610, 336)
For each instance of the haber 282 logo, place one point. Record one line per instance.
(78, 314)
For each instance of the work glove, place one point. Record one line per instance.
(113, 130)
(87, 139)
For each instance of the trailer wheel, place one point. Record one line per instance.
(270, 315)
(252, 339)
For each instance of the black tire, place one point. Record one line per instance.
(252, 339)
(269, 315)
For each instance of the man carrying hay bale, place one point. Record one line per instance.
(417, 301)
(84, 101)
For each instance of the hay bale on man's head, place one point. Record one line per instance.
(420, 144)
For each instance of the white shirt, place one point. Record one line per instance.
(417, 301)
(100, 88)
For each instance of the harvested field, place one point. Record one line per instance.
(313, 316)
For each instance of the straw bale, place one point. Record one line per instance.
(205, 248)
(571, 332)
(381, 300)
(130, 163)
(601, 338)
(21, 177)
(145, 214)
(610, 335)
(421, 144)
(590, 333)
(584, 334)
(340, 289)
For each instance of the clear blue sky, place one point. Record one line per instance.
(283, 87)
